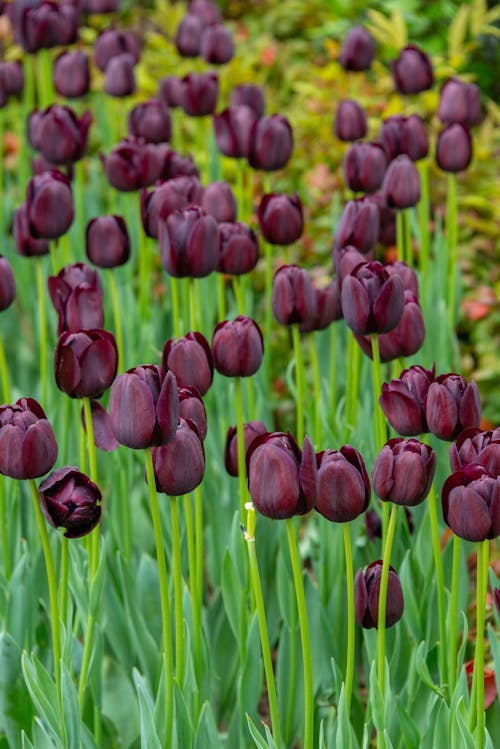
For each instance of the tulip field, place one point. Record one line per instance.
(250, 423)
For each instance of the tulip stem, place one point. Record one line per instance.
(382, 601)
(174, 292)
(477, 705)
(423, 212)
(261, 616)
(351, 630)
(299, 376)
(333, 373)
(304, 636)
(221, 297)
(193, 588)
(452, 640)
(165, 607)
(268, 282)
(238, 295)
(144, 274)
(240, 440)
(317, 390)
(4, 532)
(63, 584)
(80, 199)
(377, 390)
(44, 78)
(452, 241)
(352, 383)
(117, 318)
(4, 374)
(400, 236)
(43, 328)
(407, 237)
(177, 568)
(438, 565)
(89, 425)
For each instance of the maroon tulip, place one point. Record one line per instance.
(403, 472)
(358, 225)
(107, 242)
(401, 187)
(99, 6)
(206, 10)
(119, 78)
(237, 347)
(166, 197)
(460, 102)
(404, 135)
(191, 407)
(188, 35)
(249, 95)
(76, 294)
(293, 298)
(412, 71)
(406, 273)
(387, 221)
(454, 148)
(372, 300)
(343, 485)
(251, 430)
(189, 243)
(180, 464)
(133, 164)
(26, 243)
(350, 121)
(111, 43)
(49, 205)
(328, 308)
(453, 404)
(104, 438)
(11, 80)
(179, 166)
(199, 93)
(28, 448)
(358, 50)
(280, 218)
(61, 136)
(69, 500)
(190, 359)
(239, 249)
(46, 24)
(216, 44)
(271, 143)
(71, 74)
(7, 284)
(144, 407)
(471, 503)
(170, 91)
(282, 479)
(364, 167)
(407, 337)
(367, 593)
(404, 401)
(232, 128)
(150, 120)
(218, 201)
(85, 363)
(345, 260)
(478, 447)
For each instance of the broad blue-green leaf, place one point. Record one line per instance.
(42, 689)
(495, 652)
(19, 613)
(149, 736)
(231, 593)
(257, 737)
(70, 709)
(407, 726)
(183, 723)
(460, 733)
(206, 733)
(250, 687)
(16, 708)
(376, 699)
(343, 735)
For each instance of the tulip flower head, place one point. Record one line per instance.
(471, 503)
(180, 464)
(7, 284)
(367, 593)
(281, 218)
(85, 363)
(358, 50)
(237, 347)
(107, 242)
(403, 472)
(477, 447)
(350, 122)
(28, 447)
(76, 294)
(412, 71)
(453, 404)
(343, 485)
(404, 401)
(293, 297)
(251, 430)
(372, 300)
(190, 359)
(70, 500)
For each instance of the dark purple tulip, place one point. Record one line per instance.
(85, 363)
(191, 406)
(471, 503)
(251, 430)
(104, 438)
(357, 50)
(119, 78)
(343, 485)
(71, 74)
(350, 121)
(407, 337)
(39, 165)
(345, 260)
(373, 525)
(460, 102)
(216, 44)
(99, 6)
(232, 128)
(249, 95)
(33, 128)
(180, 464)
(188, 35)
(454, 148)
(387, 228)
(364, 167)
(190, 359)
(328, 308)
(189, 243)
(239, 249)
(150, 120)
(165, 198)
(478, 447)
(7, 284)
(26, 244)
(28, 448)
(358, 225)
(453, 404)
(403, 472)
(49, 205)
(61, 136)
(179, 166)
(372, 300)
(280, 217)
(282, 479)
(407, 274)
(11, 80)
(206, 10)
(46, 24)
(219, 201)
(199, 93)
(111, 43)
(69, 500)
(133, 164)
(293, 298)
(404, 135)
(271, 143)
(170, 91)
(107, 242)
(401, 187)
(76, 294)
(367, 592)
(237, 347)
(404, 401)
(412, 71)
(144, 407)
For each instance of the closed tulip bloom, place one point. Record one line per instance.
(328, 308)
(407, 274)
(170, 91)
(26, 243)
(46, 24)
(165, 198)
(401, 187)
(107, 242)
(404, 401)
(216, 44)
(345, 260)
(460, 102)
(280, 217)
(218, 201)
(180, 464)
(453, 404)
(271, 143)
(372, 300)
(99, 6)
(232, 128)
(251, 430)
(454, 148)
(407, 337)
(69, 500)
(350, 121)
(239, 249)
(191, 406)
(76, 293)
(150, 120)
(206, 10)
(199, 93)
(188, 35)
(189, 243)
(11, 79)
(471, 503)
(282, 478)
(144, 407)
(28, 448)
(403, 472)
(62, 136)
(412, 71)
(357, 50)
(111, 43)
(249, 95)
(364, 167)
(7, 284)
(293, 298)
(71, 74)
(179, 166)
(103, 435)
(133, 164)
(190, 359)
(478, 447)
(119, 78)
(49, 205)
(367, 593)
(358, 225)
(237, 347)
(343, 485)
(85, 363)
(404, 135)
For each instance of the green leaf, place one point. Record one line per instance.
(183, 724)
(149, 736)
(495, 652)
(250, 685)
(231, 593)
(460, 733)
(376, 699)
(42, 689)
(207, 734)
(70, 709)
(343, 735)
(408, 728)
(259, 740)
(423, 670)
(16, 708)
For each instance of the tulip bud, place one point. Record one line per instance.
(144, 407)
(412, 71)
(358, 50)
(180, 464)
(28, 448)
(232, 128)
(367, 593)
(471, 503)
(104, 438)
(71, 74)
(293, 298)
(218, 201)
(401, 187)
(239, 249)
(171, 195)
(406, 273)
(477, 447)
(237, 347)
(85, 363)
(46, 24)
(26, 244)
(69, 500)
(344, 261)
(280, 218)
(99, 6)
(76, 294)
(459, 102)
(216, 44)
(190, 359)
(119, 78)
(453, 404)
(404, 135)
(199, 93)
(358, 225)
(107, 242)
(372, 300)
(150, 120)
(179, 166)
(189, 243)
(11, 80)
(170, 91)
(328, 308)
(49, 205)
(251, 430)
(133, 164)
(61, 136)
(403, 472)
(350, 121)
(187, 37)
(343, 485)
(7, 284)
(111, 43)
(191, 407)
(271, 143)
(282, 479)
(249, 95)
(404, 401)
(364, 167)
(206, 10)
(454, 148)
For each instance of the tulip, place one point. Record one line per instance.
(104, 438)
(406, 273)
(49, 205)
(407, 337)
(99, 6)
(190, 359)
(119, 78)
(401, 187)
(328, 308)
(404, 401)
(471, 503)
(293, 298)
(239, 249)
(454, 148)
(216, 44)
(218, 201)
(188, 35)
(478, 447)
(85, 363)
(39, 165)
(150, 120)
(7, 284)
(191, 407)
(199, 93)
(460, 102)
(453, 404)
(344, 261)
(71, 74)
(133, 164)
(271, 143)
(170, 91)
(76, 294)
(282, 479)
(166, 197)
(144, 407)
(180, 464)
(69, 500)
(412, 71)
(111, 43)
(206, 10)
(45, 25)
(11, 80)
(343, 485)
(189, 243)
(372, 300)
(179, 166)
(350, 121)
(237, 347)
(403, 472)
(251, 430)
(61, 136)
(232, 128)
(28, 448)
(364, 167)
(280, 217)
(404, 135)
(26, 243)
(367, 592)
(249, 95)
(357, 50)
(107, 242)
(358, 225)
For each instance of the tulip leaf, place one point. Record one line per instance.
(495, 652)
(343, 734)
(423, 669)
(460, 733)
(149, 736)
(250, 686)
(70, 709)
(206, 733)
(119, 701)
(42, 690)
(183, 723)
(463, 645)
(231, 593)
(19, 608)
(376, 699)
(16, 709)
(259, 740)
(408, 728)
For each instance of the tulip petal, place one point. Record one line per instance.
(132, 412)
(468, 515)
(355, 305)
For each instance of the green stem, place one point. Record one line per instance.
(352, 384)
(268, 314)
(351, 630)
(177, 567)
(80, 199)
(240, 303)
(438, 565)
(317, 391)
(377, 390)
(400, 236)
(144, 274)
(240, 189)
(482, 571)
(407, 237)
(333, 373)
(299, 375)
(304, 636)
(251, 399)
(43, 329)
(174, 292)
(192, 304)
(382, 601)
(452, 242)
(4, 532)
(198, 530)
(423, 212)
(221, 297)
(452, 640)
(193, 586)
(117, 319)
(240, 439)
(63, 585)
(4, 374)
(87, 409)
